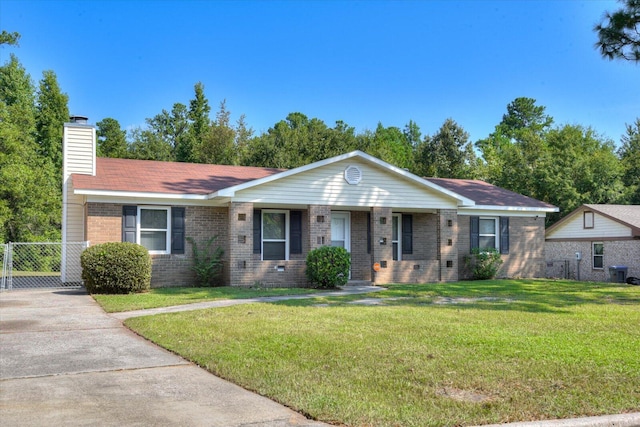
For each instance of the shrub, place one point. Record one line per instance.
(328, 267)
(116, 268)
(207, 262)
(483, 263)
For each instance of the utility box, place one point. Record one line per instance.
(618, 273)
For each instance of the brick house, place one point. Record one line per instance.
(602, 235)
(267, 220)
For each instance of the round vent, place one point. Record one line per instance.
(353, 175)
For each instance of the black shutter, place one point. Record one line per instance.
(295, 232)
(368, 232)
(129, 214)
(177, 230)
(504, 234)
(475, 232)
(407, 234)
(257, 231)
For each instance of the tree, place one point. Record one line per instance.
(447, 154)
(619, 32)
(511, 153)
(30, 206)
(10, 39)
(112, 140)
(52, 111)
(199, 121)
(146, 144)
(389, 144)
(217, 145)
(629, 154)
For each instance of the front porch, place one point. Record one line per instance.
(267, 246)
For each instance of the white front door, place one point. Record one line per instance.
(341, 230)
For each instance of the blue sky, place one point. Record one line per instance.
(362, 62)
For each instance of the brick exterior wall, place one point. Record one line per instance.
(526, 248)
(360, 259)
(616, 252)
(447, 244)
(104, 224)
(440, 243)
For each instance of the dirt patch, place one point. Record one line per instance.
(452, 300)
(463, 395)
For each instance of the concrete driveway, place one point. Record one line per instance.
(63, 361)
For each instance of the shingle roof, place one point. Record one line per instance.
(485, 194)
(147, 176)
(628, 214)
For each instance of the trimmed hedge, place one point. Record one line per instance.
(116, 268)
(328, 267)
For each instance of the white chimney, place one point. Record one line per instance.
(78, 157)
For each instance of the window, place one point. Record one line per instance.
(588, 220)
(159, 229)
(402, 235)
(490, 233)
(153, 229)
(598, 255)
(396, 232)
(275, 235)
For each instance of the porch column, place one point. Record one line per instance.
(381, 244)
(240, 245)
(319, 226)
(448, 244)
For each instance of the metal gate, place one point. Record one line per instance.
(41, 265)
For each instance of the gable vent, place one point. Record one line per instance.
(353, 175)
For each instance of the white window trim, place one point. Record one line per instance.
(399, 241)
(593, 255)
(496, 220)
(168, 229)
(286, 233)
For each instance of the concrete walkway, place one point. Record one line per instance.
(63, 361)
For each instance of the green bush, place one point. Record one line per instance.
(483, 263)
(116, 268)
(207, 262)
(328, 267)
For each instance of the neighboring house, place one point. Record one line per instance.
(602, 235)
(267, 220)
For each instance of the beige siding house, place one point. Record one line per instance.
(267, 220)
(587, 242)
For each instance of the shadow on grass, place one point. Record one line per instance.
(550, 296)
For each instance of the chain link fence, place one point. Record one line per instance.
(42, 265)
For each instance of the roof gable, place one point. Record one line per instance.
(610, 221)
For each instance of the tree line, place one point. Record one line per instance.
(565, 165)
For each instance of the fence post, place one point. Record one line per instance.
(5, 254)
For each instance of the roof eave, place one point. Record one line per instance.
(139, 195)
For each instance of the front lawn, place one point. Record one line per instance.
(165, 297)
(463, 353)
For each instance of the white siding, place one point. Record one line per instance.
(79, 149)
(327, 186)
(603, 227)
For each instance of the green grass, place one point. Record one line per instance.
(165, 297)
(463, 353)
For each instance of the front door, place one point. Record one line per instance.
(341, 230)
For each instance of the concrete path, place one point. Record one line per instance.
(63, 361)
